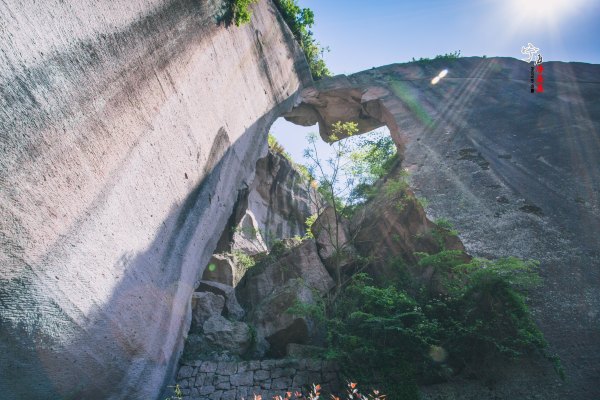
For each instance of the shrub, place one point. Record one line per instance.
(276, 147)
(447, 56)
(300, 20)
(309, 223)
(402, 334)
(243, 259)
(240, 11)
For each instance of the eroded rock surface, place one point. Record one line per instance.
(204, 306)
(272, 287)
(516, 173)
(127, 129)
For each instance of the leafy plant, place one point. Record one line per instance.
(243, 259)
(177, 393)
(373, 157)
(300, 20)
(328, 175)
(446, 56)
(398, 335)
(309, 223)
(240, 11)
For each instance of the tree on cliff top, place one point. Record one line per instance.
(300, 20)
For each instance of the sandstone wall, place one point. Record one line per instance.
(516, 173)
(128, 126)
(209, 380)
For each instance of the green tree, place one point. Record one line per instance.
(328, 180)
(300, 20)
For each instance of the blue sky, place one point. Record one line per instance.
(363, 34)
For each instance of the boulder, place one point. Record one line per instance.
(222, 268)
(204, 306)
(232, 310)
(393, 226)
(302, 262)
(233, 336)
(275, 324)
(274, 285)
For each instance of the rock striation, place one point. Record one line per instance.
(128, 128)
(516, 173)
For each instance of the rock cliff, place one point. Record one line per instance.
(516, 173)
(128, 127)
(132, 129)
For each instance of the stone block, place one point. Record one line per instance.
(226, 368)
(267, 364)
(208, 366)
(266, 385)
(242, 378)
(243, 366)
(254, 365)
(229, 395)
(281, 383)
(184, 383)
(243, 392)
(314, 365)
(262, 375)
(206, 390)
(185, 372)
(216, 395)
(288, 372)
(301, 379)
(200, 379)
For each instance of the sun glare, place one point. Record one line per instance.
(439, 76)
(545, 12)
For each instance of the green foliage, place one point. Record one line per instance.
(177, 393)
(372, 159)
(309, 223)
(300, 20)
(398, 335)
(445, 226)
(243, 259)
(447, 56)
(328, 173)
(443, 223)
(240, 11)
(276, 147)
(423, 202)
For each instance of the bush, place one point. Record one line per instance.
(455, 55)
(243, 259)
(402, 334)
(300, 20)
(240, 11)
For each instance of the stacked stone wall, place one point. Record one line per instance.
(211, 380)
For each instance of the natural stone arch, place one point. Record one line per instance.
(338, 99)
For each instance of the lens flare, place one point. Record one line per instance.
(438, 353)
(442, 74)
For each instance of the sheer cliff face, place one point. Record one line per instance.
(127, 129)
(517, 173)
